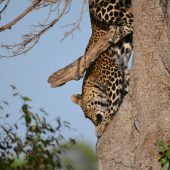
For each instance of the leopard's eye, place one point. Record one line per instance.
(99, 118)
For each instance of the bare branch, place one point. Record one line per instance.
(76, 24)
(5, 7)
(75, 70)
(31, 39)
(23, 14)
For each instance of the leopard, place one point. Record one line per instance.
(106, 81)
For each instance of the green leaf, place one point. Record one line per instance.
(2, 147)
(35, 128)
(1, 108)
(13, 87)
(168, 154)
(163, 161)
(16, 126)
(163, 146)
(43, 111)
(28, 119)
(37, 117)
(27, 114)
(72, 141)
(5, 102)
(25, 98)
(15, 94)
(25, 108)
(166, 166)
(18, 163)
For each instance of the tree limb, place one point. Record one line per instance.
(5, 7)
(76, 69)
(22, 15)
(30, 39)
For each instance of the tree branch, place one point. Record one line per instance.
(76, 24)
(22, 15)
(31, 39)
(5, 7)
(75, 70)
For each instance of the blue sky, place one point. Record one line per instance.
(29, 73)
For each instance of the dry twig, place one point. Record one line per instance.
(76, 24)
(22, 15)
(5, 6)
(29, 40)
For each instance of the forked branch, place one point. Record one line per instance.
(56, 10)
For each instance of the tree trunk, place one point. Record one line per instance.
(131, 138)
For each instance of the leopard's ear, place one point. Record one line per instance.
(76, 98)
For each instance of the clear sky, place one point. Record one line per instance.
(29, 73)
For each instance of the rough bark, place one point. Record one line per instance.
(131, 139)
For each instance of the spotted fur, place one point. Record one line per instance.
(106, 80)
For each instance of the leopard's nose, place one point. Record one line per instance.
(99, 118)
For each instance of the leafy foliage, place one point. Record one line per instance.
(79, 156)
(41, 145)
(164, 155)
